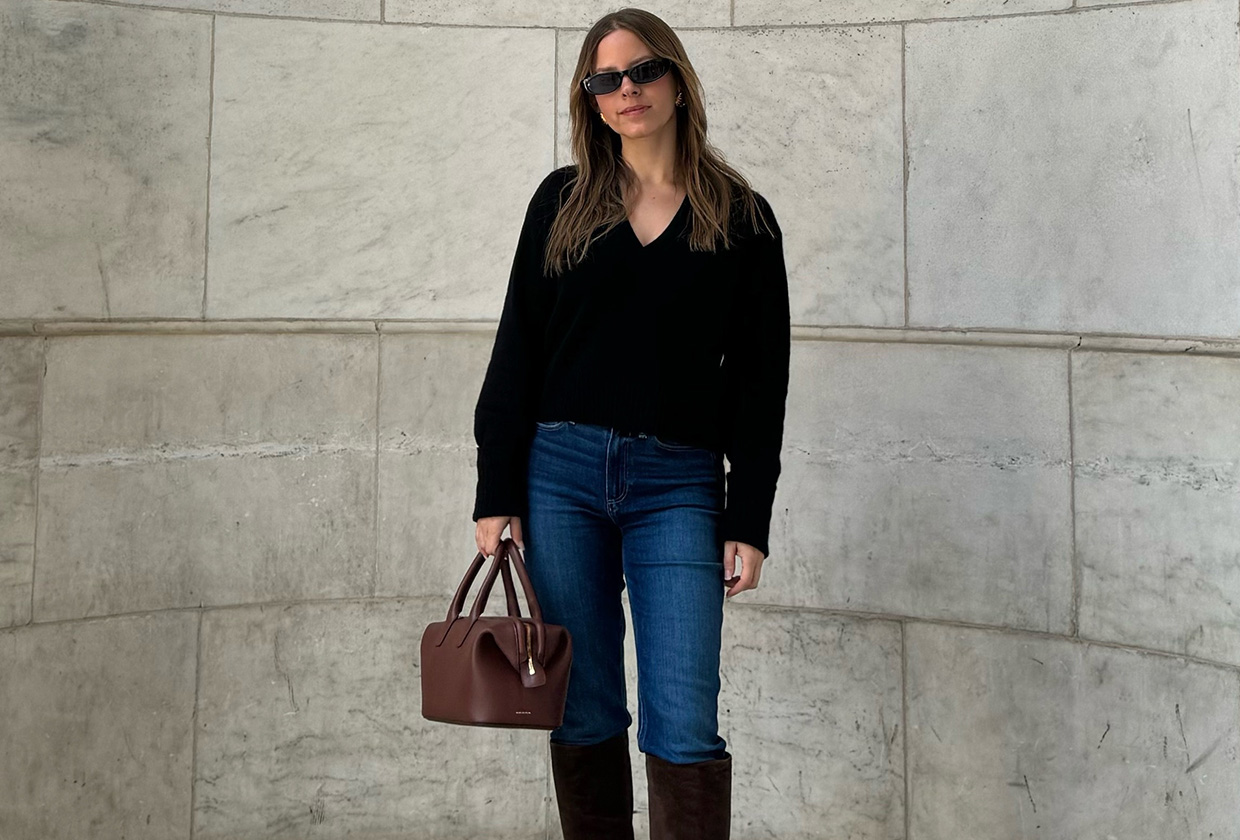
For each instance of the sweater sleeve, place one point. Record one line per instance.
(756, 377)
(508, 400)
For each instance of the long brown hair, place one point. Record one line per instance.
(602, 173)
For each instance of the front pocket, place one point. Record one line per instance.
(672, 446)
(549, 427)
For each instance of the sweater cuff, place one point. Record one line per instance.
(747, 519)
(501, 488)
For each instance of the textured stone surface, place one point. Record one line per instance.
(21, 372)
(811, 709)
(372, 171)
(559, 13)
(428, 459)
(783, 12)
(1077, 172)
(330, 9)
(310, 725)
(1020, 737)
(815, 127)
(96, 738)
(1157, 443)
(187, 470)
(925, 480)
(103, 156)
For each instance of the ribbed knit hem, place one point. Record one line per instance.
(501, 488)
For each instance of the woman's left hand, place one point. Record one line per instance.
(751, 566)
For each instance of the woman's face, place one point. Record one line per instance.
(620, 50)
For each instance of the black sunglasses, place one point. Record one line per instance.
(641, 74)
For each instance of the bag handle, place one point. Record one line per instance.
(514, 606)
(462, 589)
(530, 597)
(507, 549)
(458, 600)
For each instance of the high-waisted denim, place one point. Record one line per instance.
(608, 508)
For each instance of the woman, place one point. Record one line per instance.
(644, 335)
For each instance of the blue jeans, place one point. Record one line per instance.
(606, 508)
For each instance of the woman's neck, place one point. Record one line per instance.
(652, 159)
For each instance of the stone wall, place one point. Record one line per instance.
(251, 257)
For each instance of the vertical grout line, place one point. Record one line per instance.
(374, 572)
(547, 790)
(555, 98)
(382, 11)
(193, 750)
(38, 469)
(908, 783)
(1074, 624)
(904, 164)
(206, 229)
(732, 13)
(103, 283)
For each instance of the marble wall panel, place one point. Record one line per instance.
(328, 9)
(811, 12)
(96, 728)
(21, 377)
(103, 156)
(811, 709)
(310, 725)
(812, 118)
(208, 469)
(365, 171)
(1077, 172)
(428, 459)
(1157, 443)
(925, 480)
(1017, 736)
(559, 13)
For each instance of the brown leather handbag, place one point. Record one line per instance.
(484, 670)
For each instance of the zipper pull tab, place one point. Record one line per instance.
(529, 648)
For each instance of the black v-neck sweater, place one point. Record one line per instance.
(689, 346)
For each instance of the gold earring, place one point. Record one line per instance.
(680, 98)
(601, 117)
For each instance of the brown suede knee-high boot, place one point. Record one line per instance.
(690, 801)
(594, 789)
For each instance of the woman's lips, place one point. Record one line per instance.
(638, 110)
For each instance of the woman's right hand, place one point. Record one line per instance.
(489, 530)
